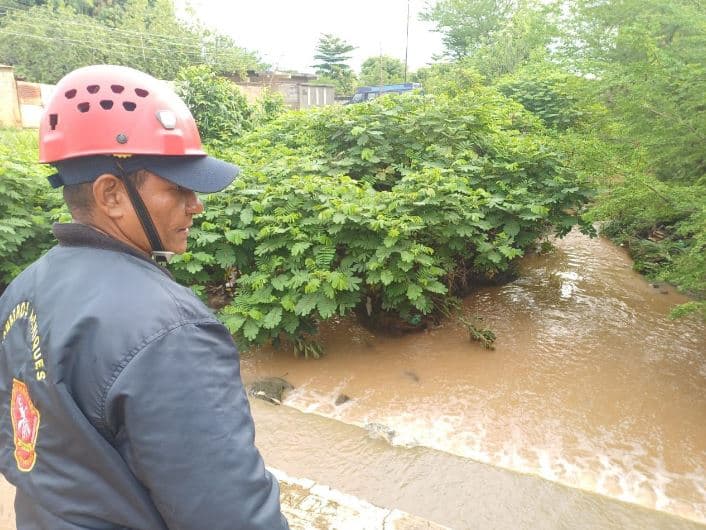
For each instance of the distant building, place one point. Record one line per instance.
(9, 104)
(300, 91)
(22, 102)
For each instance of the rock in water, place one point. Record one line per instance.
(341, 399)
(269, 389)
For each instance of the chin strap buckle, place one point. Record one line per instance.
(162, 257)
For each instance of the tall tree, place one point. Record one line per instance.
(466, 25)
(650, 58)
(381, 70)
(525, 37)
(332, 56)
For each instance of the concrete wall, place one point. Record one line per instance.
(311, 95)
(32, 98)
(21, 103)
(296, 95)
(9, 104)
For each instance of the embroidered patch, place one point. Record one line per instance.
(25, 424)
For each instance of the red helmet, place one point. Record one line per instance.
(105, 110)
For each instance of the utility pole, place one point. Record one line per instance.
(380, 65)
(406, 46)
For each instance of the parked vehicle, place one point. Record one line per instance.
(366, 93)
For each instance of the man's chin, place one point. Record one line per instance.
(178, 248)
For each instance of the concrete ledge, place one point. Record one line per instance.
(306, 504)
(311, 506)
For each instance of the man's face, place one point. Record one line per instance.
(171, 208)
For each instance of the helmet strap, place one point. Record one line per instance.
(158, 253)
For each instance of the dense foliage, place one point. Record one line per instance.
(621, 87)
(45, 42)
(663, 225)
(649, 55)
(220, 109)
(553, 95)
(467, 26)
(387, 209)
(391, 208)
(381, 70)
(26, 204)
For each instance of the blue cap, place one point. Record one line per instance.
(203, 174)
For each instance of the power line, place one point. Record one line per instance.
(119, 47)
(169, 39)
(183, 46)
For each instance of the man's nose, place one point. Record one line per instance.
(194, 206)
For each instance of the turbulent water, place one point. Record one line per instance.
(590, 384)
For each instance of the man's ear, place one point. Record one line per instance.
(110, 196)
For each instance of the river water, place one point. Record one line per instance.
(590, 385)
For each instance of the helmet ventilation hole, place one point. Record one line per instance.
(83, 107)
(53, 121)
(70, 94)
(141, 92)
(129, 106)
(106, 104)
(92, 89)
(117, 89)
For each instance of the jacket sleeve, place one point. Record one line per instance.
(182, 422)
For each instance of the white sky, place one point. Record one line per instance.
(285, 33)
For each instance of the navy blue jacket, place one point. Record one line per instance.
(121, 401)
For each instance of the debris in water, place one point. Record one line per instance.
(414, 377)
(379, 431)
(269, 389)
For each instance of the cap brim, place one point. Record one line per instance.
(203, 174)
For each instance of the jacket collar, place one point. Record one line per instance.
(81, 235)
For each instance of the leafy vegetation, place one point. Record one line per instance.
(663, 225)
(387, 209)
(220, 109)
(620, 86)
(551, 94)
(143, 34)
(391, 209)
(381, 70)
(26, 204)
(466, 26)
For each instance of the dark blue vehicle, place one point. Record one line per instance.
(366, 93)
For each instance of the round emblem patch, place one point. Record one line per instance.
(25, 424)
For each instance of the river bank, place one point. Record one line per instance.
(591, 385)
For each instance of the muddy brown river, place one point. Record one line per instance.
(590, 386)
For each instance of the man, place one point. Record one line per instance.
(120, 393)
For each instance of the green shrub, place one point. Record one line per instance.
(220, 109)
(269, 106)
(385, 208)
(26, 204)
(555, 97)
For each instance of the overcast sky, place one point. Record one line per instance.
(285, 33)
